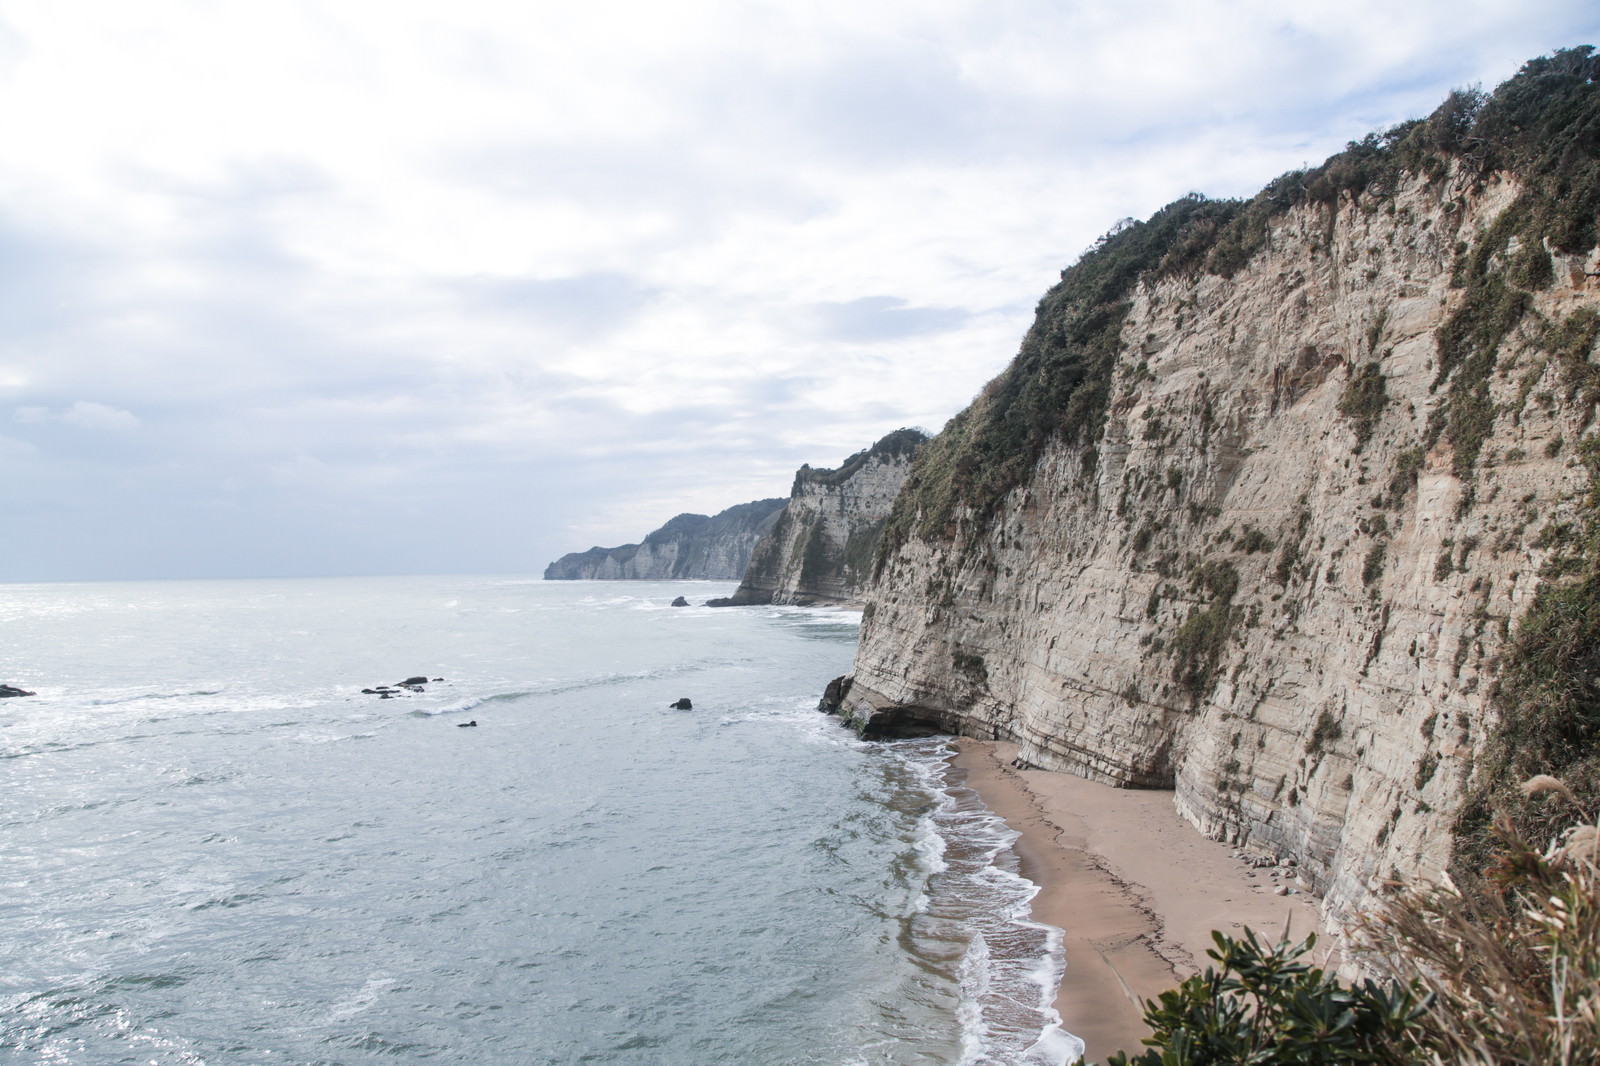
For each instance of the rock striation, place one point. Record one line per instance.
(1278, 497)
(822, 547)
(689, 547)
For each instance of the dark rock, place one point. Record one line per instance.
(12, 690)
(721, 601)
(833, 696)
(466, 725)
(680, 602)
(683, 705)
(413, 681)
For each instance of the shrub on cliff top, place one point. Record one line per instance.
(901, 444)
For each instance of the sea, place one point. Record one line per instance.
(217, 847)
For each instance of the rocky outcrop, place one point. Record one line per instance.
(823, 545)
(689, 547)
(1261, 507)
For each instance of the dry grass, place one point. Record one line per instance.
(1512, 962)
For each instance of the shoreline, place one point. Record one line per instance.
(1135, 889)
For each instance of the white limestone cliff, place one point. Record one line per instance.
(822, 547)
(1251, 587)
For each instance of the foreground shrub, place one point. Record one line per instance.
(1505, 972)
(1263, 1004)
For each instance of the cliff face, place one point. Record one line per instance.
(689, 547)
(822, 547)
(1274, 551)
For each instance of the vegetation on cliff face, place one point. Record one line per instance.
(1057, 386)
(1548, 697)
(1542, 126)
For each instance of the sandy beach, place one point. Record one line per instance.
(1136, 888)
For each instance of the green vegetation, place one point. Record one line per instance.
(1548, 696)
(1372, 566)
(1571, 341)
(819, 560)
(1363, 400)
(1327, 731)
(973, 666)
(1264, 1004)
(1512, 966)
(1254, 540)
(1506, 975)
(902, 443)
(1198, 645)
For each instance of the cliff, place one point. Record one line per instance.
(1288, 504)
(690, 546)
(822, 547)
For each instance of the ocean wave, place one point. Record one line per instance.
(112, 701)
(976, 918)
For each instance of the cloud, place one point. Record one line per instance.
(880, 318)
(83, 414)
(99, 417)
(582, 306)
(12, 448)
(537, 276)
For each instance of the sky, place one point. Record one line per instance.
(326, 287)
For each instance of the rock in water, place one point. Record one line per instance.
(683, 705)
(12, 690)
(680, 602)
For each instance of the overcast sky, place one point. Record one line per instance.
(307, 287)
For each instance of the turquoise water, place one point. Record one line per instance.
(219, 850)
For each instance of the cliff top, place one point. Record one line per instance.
(902, 443)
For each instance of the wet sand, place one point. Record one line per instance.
(1136, 889)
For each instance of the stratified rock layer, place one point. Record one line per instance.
(823, 545)
(1267, 580)
(689, 547)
